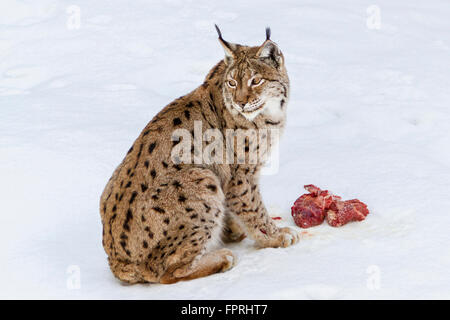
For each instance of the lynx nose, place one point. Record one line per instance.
(241, 98)
(241, 102)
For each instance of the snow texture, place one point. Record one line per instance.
(369, 118)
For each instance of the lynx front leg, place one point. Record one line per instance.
(243, 199)
(232, 230)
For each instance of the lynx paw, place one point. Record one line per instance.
(229, 235)
(229, 260)
(283, 237)
(288, 237)
(232, 231)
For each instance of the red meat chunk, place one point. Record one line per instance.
(311, 209)
(342, 212)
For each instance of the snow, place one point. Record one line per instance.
(368, 118)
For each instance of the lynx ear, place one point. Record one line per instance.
(270, 52)
(227, 47)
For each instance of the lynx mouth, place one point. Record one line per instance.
(251, 108)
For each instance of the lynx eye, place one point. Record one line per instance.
(256, 81)
(232, 83)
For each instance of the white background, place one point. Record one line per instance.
(369, 118)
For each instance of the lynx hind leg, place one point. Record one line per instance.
(197, 202)
(132, 272)
(232, 229)
(202, 266)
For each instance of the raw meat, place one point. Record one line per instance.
(342, 212)
(311, 209)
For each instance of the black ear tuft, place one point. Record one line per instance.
(267, 33)
(218, 32)
(228, 47)
(223, 42)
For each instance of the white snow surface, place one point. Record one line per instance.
(368, 118)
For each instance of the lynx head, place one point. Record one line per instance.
(255, 79)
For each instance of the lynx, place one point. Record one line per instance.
(162, 219)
